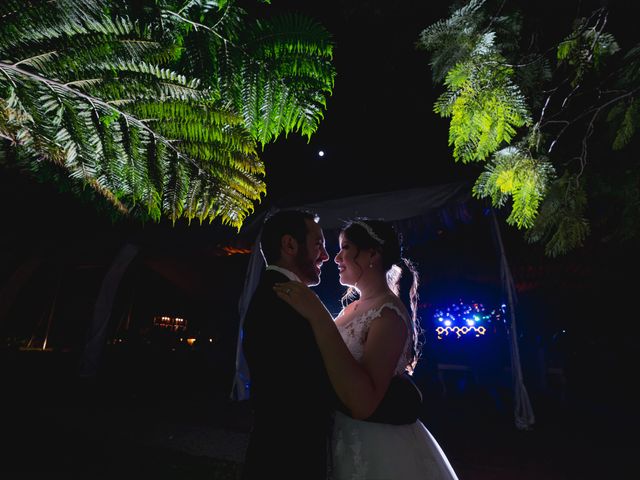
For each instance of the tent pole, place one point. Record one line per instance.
(51, 312)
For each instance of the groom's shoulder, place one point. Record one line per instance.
(269, 277)
(264, 289)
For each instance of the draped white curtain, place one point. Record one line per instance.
(523, 412)
(97, 332)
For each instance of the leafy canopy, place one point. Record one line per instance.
(159, 107)
(534, 110)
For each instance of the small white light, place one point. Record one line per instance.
(321, 153)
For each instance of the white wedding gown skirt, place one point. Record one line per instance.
(375, 451)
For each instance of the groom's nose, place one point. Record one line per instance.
(324, 255)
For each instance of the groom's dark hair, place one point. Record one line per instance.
(283, 222)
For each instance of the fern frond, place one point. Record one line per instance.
(586, 49)
(512, 172)
(484, 104)
(624, 116)
(44, 20)
(286, 74)
(630, 119)
(452, 40)
(561, 224)
(158, 110)
(631, 71)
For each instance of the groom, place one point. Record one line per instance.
(292, 398)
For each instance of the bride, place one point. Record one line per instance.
(371, 340)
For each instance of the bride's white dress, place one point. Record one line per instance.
(375, 451)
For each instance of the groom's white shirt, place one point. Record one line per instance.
(287, 273)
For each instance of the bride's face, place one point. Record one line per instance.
(349, 264)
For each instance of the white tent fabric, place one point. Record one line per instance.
(97, 332)
(523, 412)
(391, 206)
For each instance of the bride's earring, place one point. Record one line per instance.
(370, 263)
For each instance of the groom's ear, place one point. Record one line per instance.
(288, 245)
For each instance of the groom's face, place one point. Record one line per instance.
(311, 255)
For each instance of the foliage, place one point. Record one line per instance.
(484, 104)
(513, 173)
(538, 105)
(159, 106)
(561, 216)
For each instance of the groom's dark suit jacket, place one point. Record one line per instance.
(291, 396)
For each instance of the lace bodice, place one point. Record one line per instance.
(364, 450)
(355, 333)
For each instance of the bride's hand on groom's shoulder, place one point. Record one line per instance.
(304, 300)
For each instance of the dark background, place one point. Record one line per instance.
(575, 313)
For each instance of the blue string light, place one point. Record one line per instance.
(464, 319)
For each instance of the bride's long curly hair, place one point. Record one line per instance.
(381, 235)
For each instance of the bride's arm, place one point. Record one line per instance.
(360, 386)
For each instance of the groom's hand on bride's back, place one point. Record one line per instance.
(402, 404)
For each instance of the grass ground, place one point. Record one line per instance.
(121, 428)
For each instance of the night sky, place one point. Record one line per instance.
(379, 129)
(380, 132)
